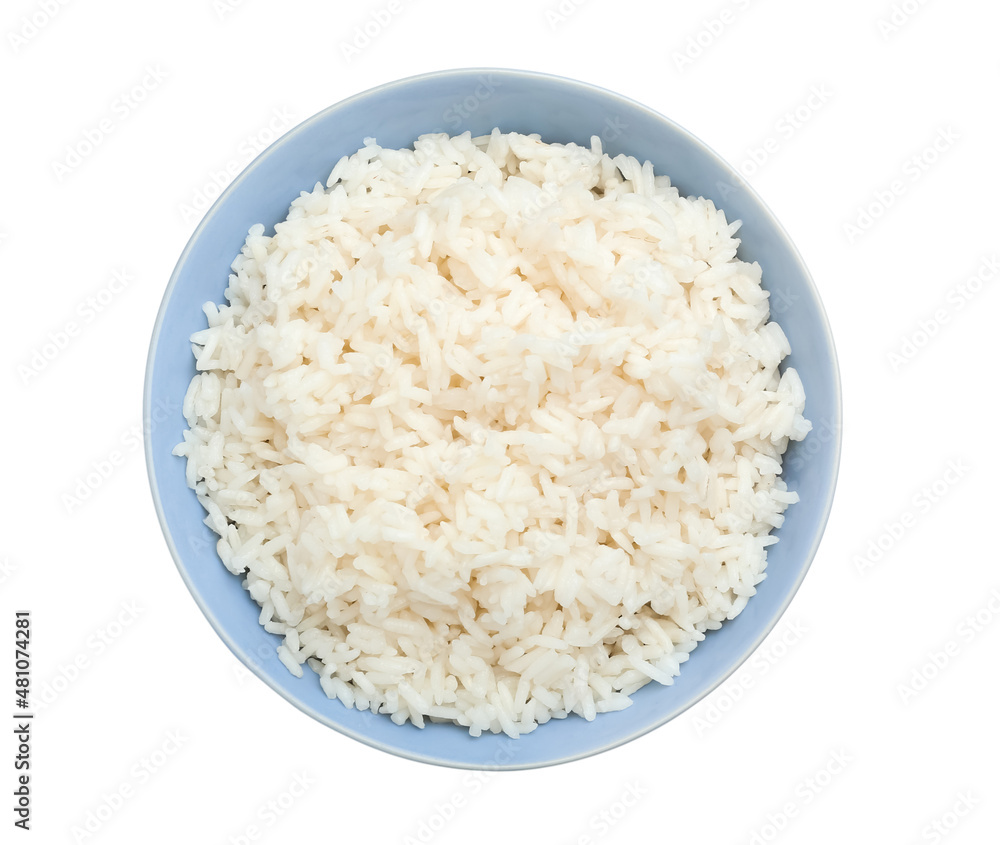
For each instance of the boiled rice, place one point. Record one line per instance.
(492, 429)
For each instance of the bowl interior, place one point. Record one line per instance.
(559, 110)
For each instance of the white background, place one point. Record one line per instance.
(160, 706)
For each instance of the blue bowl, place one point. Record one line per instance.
(560, 110)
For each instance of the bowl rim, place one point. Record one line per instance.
(787, 244)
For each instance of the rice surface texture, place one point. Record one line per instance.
(492, 429)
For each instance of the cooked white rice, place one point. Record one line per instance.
(493, 429)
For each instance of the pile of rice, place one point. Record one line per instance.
(492, 428)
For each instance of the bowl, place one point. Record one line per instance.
(560, 110)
